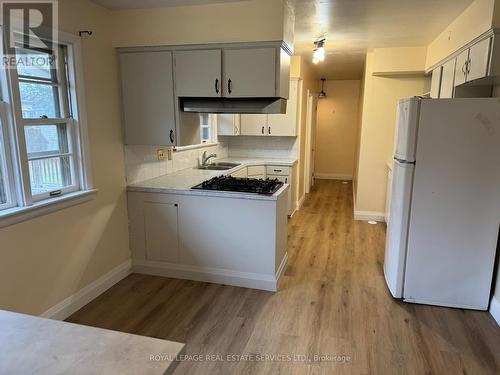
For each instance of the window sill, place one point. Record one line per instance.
(193, 147)
(16, 215)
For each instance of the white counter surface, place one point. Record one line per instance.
(33, 345)
(182, 181)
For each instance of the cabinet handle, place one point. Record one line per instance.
(463, 68)
(286, 180)
(269, 130)
(278, 170)
(229, 86)
(468, 65)
(263, 129)
(236, 130)
(171, 136)
(217, 85)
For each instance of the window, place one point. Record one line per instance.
(41, 133)
(207, 126)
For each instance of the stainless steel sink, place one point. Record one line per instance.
(219, 166)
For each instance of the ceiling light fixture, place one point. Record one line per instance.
(322, 94)
(319, 51)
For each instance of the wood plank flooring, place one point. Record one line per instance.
(333, 301)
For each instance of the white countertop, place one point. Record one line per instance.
(182, 181)
(33, 345)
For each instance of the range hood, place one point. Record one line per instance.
(233, 105)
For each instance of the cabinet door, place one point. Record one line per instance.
(228, 124)
(161, 232)
(253, 124)
(285, 124)
(479, 55)
(249, 72)
(447, 79)
(148, 98)
(198, 73)
(461, 68)
(436, 82)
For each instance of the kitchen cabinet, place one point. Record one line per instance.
(479, 55)
(285, 175)
(161, 231)
(228, 124)
(249, 72)
(198, 73)
(447, 79)
(257, 171)
(276, 124)
(148, 98)
(241, 173)
(436, 82)
(254, 124)
(473, 63)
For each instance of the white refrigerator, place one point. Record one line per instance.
(443, 234)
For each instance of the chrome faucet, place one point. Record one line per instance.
(205, 158)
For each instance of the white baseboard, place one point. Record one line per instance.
(333, 176)
(300, 202)
(369, 215)
(282, 267)
(76, 301)
(495, 309)
(210, 275)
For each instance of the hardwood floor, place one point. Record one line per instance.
(333, 301)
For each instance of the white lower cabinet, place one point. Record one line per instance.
(161, 231)
(241, 173)
(285, 175)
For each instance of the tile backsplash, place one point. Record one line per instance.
(141, 162)
(258, 146)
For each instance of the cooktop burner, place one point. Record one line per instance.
(244, 185)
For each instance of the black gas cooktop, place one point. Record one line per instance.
(244, 185)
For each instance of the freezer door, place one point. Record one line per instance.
(405, 138)
(397, 230)
(455, 215)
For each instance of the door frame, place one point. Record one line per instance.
(311, 110)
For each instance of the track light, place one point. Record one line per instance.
(319, 51)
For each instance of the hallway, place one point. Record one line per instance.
(333, 302)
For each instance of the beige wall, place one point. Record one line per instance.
(478, 18)
(254, 20)
(380, 98)
(47, 259)
(403, 60)
(302, 69)
(337, 128)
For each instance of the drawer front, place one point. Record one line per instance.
(256, 170)
(241, 173)
(278, 171)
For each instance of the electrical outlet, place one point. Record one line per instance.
(160, 154)
(170, 152)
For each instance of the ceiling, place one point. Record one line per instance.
(135, 4)
(352, 26)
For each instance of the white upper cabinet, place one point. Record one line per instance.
(461, 68)
(198, 73)
(228, 124)
(249, 72)
(286, 124)
(148, 98)
(436, 82)
(479, 55)
(447, 79)
(254, 124)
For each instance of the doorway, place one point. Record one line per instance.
(311, 117)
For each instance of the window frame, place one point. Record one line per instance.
(16, 157)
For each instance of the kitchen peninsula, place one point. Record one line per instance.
(224, 237)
